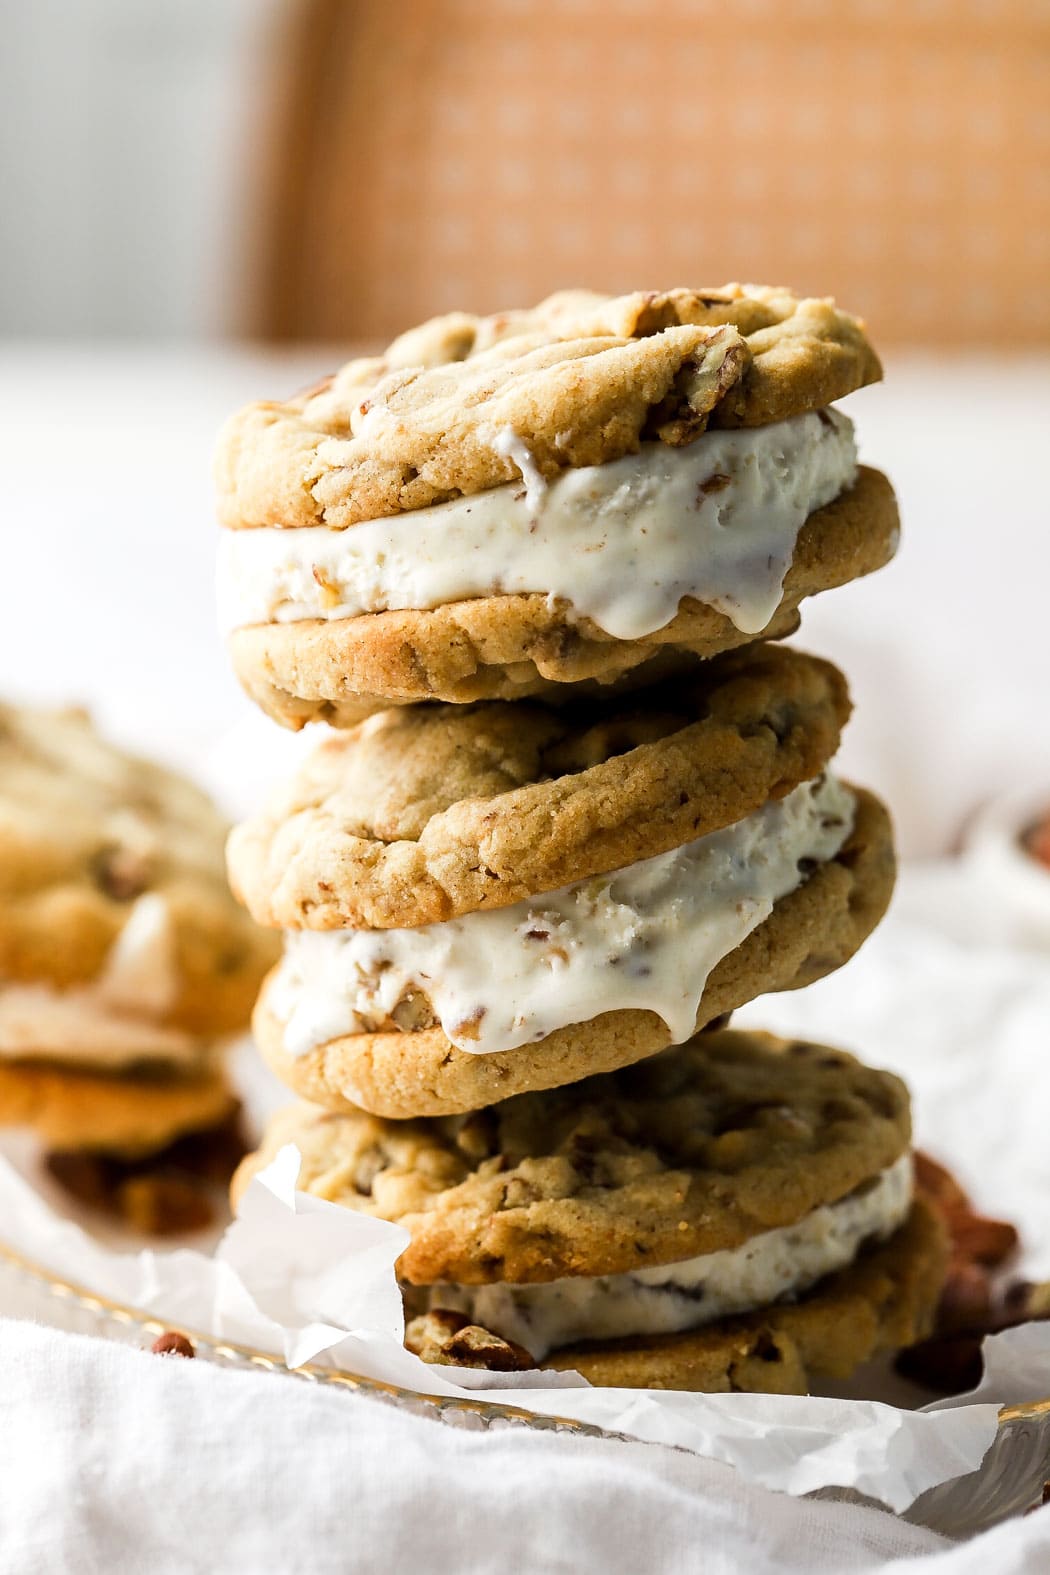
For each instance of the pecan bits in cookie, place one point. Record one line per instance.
(692, 1151)
(424, 814)
(489, 899)
(505, 506)
(582, 380)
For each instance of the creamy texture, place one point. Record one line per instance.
(621, 543)
(112, 1021)
(646, 936)
(775, 1265)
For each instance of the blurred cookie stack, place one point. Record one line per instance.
(124, 966)
(577, 809)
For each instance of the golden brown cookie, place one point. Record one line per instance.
(402, 1073)
(581, 380)
(510, 647)
(694, 1151)
(425, 813)
(887, 1299)
(127, 1114)
(883, 1301)
(89, 833)
(718, 1167)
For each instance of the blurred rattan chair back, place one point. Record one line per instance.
(432, 154)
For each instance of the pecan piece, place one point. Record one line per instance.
(450, 1339)
(172, 1343)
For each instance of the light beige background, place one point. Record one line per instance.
(447, 153)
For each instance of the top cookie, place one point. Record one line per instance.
(580, 380)
(89, 837)
(422, 814)
(692, 1151)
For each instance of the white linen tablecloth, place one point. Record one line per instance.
(121, 1462)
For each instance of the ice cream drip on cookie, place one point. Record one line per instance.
(621, 543)
(645, 937)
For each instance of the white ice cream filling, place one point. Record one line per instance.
(620, 543)
(644, 937)
(112, 1022)
(772, 1267)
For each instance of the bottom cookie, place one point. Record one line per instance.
(811, 931)
(884, 1301)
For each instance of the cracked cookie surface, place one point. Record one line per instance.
(426, 813)
(693, 1151)
(580, 380)
(810, 932)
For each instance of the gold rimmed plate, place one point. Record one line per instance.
(58, 1301)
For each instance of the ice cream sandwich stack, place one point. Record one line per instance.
(575, 807)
